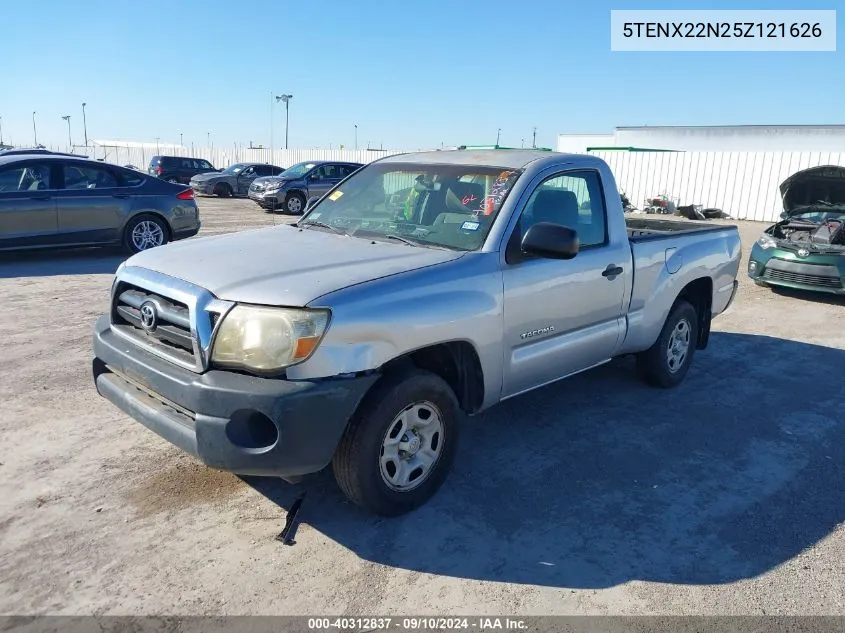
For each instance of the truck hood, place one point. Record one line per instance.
(809, 186)
(284, 265)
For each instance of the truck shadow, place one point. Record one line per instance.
(599, 480)
(79, 261)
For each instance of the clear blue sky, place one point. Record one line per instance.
(409, 74)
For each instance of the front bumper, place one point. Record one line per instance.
(783, 268)
(267, 199)
(230, 421)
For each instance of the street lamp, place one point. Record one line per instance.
(69, 140)
(1, 131)
(84, 124)
(498, 135)
(356, 137)
(180, 139)
(34, 130)
(286, 99)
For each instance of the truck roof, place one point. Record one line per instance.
(513, 158)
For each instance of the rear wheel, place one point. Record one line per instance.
(294, 203)
(145, 232)
(223, 190)
(400, 444)
(666, 362)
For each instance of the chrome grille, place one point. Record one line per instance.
(168, 317)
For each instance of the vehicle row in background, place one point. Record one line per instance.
(178, 169)
(291, 189)
(50, 200)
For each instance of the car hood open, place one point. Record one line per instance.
(806, 187)
(284, 265)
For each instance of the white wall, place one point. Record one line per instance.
(578, 143)
(751, 138)
(742, 184)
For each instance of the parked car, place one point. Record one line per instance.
(446, 282)
(178, 169)
(805, 250)
(234, 180)
(291, 189)
(55, 200)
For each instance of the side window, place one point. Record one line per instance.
(573, 199)
(328, 172)
(130, 178)
(204, 164)
(259, 170)
(85, 177)
(28, 177)
(275, 171)
(345, 170)
(187, 163)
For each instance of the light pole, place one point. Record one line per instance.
(1, 131)
(69, 139)
(286, 99)
(272, 111)
(180, 140)
(356, 137)
(34, 130)
(534, 141)
(498, 134)
(84, 124)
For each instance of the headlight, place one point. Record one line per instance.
(268, 339)
(767, 241)
(274, 186)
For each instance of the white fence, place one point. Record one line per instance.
(744, 185)
(221, 157)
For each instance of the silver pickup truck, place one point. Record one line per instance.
(423, 288)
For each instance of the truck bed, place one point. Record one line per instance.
(647, 229)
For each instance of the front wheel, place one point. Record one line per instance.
(223, 190)
(666, 362)
(400, 444)
(145, 232)
(294, 203)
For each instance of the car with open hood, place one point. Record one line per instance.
(805, 250)
(291, 190)
(232, 181)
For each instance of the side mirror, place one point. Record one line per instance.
(311, 202)
(783, 215)
(552, 241)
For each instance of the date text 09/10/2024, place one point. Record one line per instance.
(415, 624)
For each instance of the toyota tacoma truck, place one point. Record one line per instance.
(423, 288)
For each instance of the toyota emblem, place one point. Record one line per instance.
(149, 316)
(803, 252)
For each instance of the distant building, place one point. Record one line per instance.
(718, 138)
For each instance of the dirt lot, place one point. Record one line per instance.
(595, 495)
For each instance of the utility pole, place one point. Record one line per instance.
(34, 130)
(84, 124)
(69, 139)
(523, 143)
(498, 134)
(272, 103)
(286, 98)
(534, 141)
(180, 140)
(356, 137)
(1, 131)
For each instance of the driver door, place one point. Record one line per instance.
(245, 179)
(562, 316)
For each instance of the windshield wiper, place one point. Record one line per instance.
(391, 236)
(321, 224)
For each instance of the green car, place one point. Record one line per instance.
(806, 248)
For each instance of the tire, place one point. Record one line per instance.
(657, 365)
(223, 190)
(156, 229)
(294, 203)
(362, 468)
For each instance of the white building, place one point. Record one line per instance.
(719, 138)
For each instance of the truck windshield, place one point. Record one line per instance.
(449, 206)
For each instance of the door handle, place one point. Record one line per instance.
(612, 271)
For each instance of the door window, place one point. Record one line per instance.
(84, 177)
(328, 172)
(27, 177)
(573, 199)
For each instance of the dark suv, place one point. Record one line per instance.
(179, 168)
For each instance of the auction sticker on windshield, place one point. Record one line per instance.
(335, 195)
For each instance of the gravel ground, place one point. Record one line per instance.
(596, 495)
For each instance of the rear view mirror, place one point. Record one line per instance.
(552, 241)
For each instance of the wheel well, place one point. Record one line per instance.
(699, 294)
(224, 184)
(457, 363)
